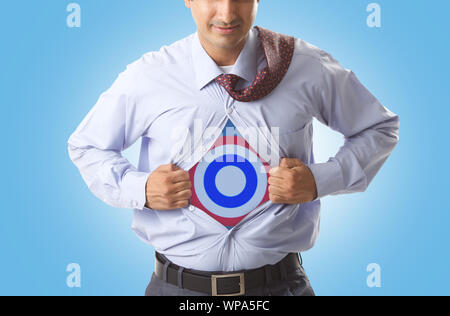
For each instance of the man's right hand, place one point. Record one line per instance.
(168, 188)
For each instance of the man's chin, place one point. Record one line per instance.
(226, 41)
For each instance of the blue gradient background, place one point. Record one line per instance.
(52, 75)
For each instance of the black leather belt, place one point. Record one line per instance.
(224, 283)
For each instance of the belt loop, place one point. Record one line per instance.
(283, 271)
(180, 277)
(268, 275)
(166, 265)
(300, 258)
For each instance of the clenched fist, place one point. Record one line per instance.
(292, 183)
(168, 188)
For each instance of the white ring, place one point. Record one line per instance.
(210, 205)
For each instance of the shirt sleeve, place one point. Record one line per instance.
(95, 147)
(371, 131)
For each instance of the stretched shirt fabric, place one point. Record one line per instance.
(171, 101)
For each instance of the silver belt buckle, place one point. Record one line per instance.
(223, 276)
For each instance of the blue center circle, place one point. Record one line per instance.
(230, 201)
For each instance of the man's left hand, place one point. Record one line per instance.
(292, 183)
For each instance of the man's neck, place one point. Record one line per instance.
(223, 56)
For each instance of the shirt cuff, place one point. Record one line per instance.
(133, 189)
(328, 177)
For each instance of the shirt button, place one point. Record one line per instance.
(191, 208)
(134, 203)
(230, 110)
(205, 149)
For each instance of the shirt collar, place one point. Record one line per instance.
(206, 68)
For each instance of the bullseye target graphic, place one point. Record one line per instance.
(230, 180)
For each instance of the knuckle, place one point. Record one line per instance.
(172, 167)
(290, 176)
(183, 203)
(274, 171)
(179, 173)
(166, 180)
(183, 195)
(164, 168)
(165, 190)
(274, 198)
(159, 168)
(291, 185)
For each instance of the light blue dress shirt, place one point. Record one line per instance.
(175, 87)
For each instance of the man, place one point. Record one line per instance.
(230, 74)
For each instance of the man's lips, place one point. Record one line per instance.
(226, 30)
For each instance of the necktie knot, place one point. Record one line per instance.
(228, 81)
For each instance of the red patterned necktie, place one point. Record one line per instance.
(278, 50)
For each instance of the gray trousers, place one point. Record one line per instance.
(295, 284)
